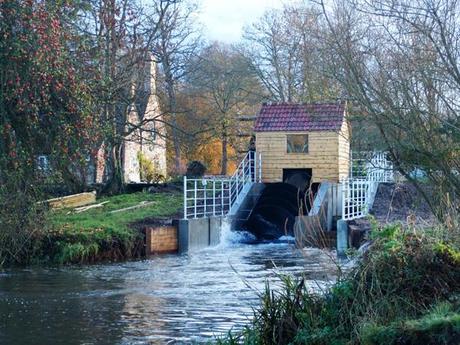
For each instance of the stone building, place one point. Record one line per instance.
(145, 138)
(142, 123)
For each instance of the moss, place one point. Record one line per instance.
(97, 233)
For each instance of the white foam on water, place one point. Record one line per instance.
(229, 238)
(287, 238)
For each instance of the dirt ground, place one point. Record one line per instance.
(401, 203)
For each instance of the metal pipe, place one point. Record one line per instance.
(260, 167)
(222, 197)
(185, 197)
(205, 197)
(244, 173)
(213, 197)
(195, 199)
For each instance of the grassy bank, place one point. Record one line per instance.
(405, 290)
(98, 234)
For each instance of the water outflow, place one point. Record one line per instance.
(172, 299)
(230, 238)
(274, 214)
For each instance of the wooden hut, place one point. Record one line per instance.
(303, 143)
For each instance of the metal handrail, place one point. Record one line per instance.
(218, 195)
(358, 194)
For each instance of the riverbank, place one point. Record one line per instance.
(109, 232)
(404, 290)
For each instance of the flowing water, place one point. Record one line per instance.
(173, 299)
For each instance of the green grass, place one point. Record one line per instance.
(441, 325)
(99, 234)
(164, 205)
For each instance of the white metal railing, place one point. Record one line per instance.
(221, 195)
(371, 166)
(379, 168)
(358, 191)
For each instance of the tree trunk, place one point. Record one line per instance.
(169, 79)
(177, 153)
(224, 154)
(175, 134)
(115, 183)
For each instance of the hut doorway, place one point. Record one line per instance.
(299, 178)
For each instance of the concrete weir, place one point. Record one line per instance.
(183, 235)
(198, 233)
(268, 211)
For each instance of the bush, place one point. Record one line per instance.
(22, 221)
(195, 169)
(383, 300)
(148, 171)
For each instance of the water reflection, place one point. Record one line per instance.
(168, 299)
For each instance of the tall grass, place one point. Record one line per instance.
(404, 290)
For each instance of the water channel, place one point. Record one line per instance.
(172, 299)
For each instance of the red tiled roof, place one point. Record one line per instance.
(300, 117)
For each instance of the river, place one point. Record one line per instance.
(171, 299)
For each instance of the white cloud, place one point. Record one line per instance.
(225, 19)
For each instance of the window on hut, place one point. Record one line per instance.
(297, 143)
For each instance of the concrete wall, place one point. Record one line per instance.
(131, 148)
(199, 233)
(153, 146)
(149, 138)
(312, 230)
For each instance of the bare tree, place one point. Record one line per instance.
(177, 44)
(285, 48)
(225, 81)
(399, 61)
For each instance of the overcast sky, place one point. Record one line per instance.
(224, 20)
